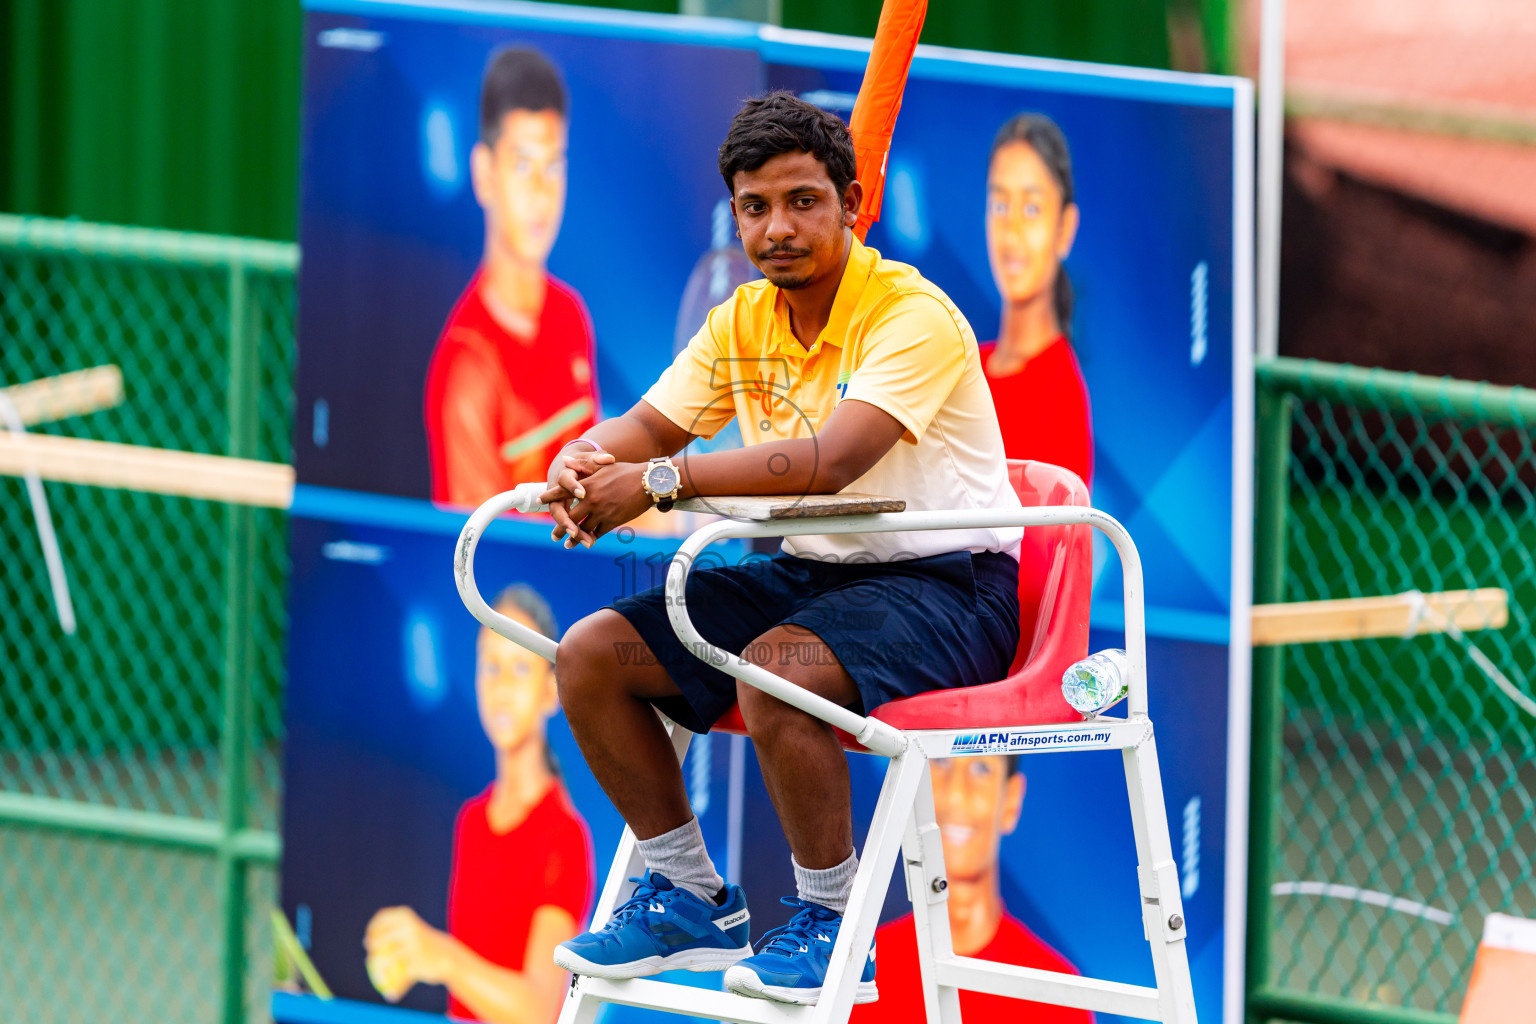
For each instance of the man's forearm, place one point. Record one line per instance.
(627, 441)
(798, 466)
(855, 437)
(627, 438)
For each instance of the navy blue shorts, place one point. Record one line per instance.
(898, 628)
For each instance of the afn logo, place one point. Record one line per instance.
(1025, 740)
(980, 743)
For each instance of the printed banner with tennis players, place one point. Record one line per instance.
(512, 220)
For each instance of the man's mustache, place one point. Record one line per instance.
(782, 250)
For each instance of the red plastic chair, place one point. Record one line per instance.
(1055, 588)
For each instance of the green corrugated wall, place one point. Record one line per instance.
(184, 113)
(165, 113)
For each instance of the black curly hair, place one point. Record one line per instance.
(782, 122)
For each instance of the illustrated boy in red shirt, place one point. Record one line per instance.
(522, 857)
(511, 378)
(977, 801)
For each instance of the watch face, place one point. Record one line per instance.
(663, 479)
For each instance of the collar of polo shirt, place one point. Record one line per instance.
(860, 261)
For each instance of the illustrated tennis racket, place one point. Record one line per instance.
(544, 433)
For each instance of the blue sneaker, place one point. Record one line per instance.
(661, 928)
(791, 961)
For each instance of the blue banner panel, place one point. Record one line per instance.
(512, 218)
(409, 726)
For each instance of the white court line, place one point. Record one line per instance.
(1371, 896)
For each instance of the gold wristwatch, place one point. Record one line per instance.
(661, 481)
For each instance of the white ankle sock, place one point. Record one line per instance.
(680, 856)
(828, 886)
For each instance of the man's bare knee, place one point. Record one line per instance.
(763, 713)
(602, 656)
(805, 660)
(752, 702)
(583, 660)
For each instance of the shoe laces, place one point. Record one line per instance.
(800, 932)
(645, 893)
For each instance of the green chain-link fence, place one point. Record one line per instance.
(139, 758)
(1394, 792)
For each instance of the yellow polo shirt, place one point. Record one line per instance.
(893, 340)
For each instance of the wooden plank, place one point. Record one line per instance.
(155, 470)
(761, 508)
(68, 394)
(1356, 618)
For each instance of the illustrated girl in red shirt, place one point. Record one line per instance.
(1037, 385)
(522, 857)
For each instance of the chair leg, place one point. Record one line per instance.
(922, 851)
(627, 863)
(1162, 907)
(579, 1008)
(876, 862)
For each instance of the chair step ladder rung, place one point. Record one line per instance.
(1049, 987)
(904, 819)
(709, 1004)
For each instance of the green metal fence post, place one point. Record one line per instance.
(1273, 456)
(240, 566)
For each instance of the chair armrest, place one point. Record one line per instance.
(523, 498)
(759, 507)
(872, 733)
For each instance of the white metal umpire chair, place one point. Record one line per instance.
(1024, 713)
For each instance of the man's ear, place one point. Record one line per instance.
(734, 219)
(1068, 234)
(1013, 802)
(480, 174)
(853, 199)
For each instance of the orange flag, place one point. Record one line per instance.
(874, 113)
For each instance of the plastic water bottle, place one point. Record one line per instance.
(1098, 682)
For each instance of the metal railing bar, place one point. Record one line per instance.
(1306, 1008)
(82, 238)
(1407, 392)
(203, 835)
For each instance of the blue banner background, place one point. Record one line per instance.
(391, 233)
